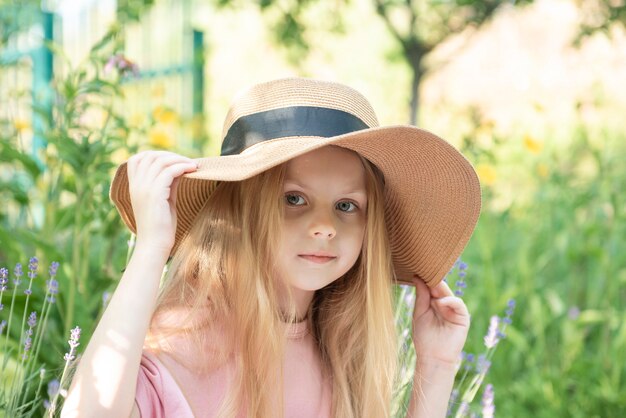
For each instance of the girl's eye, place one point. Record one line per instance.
(293, 199)
(345, 206)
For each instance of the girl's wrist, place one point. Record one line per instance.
(429, 363)
(150, 251)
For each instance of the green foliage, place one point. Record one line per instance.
(560, 254)
(289, 23)
(56, 204)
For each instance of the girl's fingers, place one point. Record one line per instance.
(441, 290)
(452, 309)
(166, 176)
(157, 166)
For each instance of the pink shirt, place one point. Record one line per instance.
(166, 389)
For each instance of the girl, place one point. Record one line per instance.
(284, 251)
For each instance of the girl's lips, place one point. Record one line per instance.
(317, 259)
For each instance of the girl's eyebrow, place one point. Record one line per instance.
(350, 189)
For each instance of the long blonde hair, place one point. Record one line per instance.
(224, 269)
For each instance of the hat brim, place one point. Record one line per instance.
(432, 193)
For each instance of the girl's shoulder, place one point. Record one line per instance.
(157, 393)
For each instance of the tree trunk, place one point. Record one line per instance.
(415, 56)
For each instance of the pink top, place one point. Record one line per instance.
(173, 391)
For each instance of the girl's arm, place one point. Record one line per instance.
(440, 325)
(432, 386)
(106, 377)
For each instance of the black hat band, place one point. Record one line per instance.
(287, 122)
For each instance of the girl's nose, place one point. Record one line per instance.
(322, 226)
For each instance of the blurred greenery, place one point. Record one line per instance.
(550, 234)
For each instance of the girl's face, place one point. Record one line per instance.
(325, 206)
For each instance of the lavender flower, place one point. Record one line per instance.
(2, 325)
(573, 313)
(482, 364)
(453, 397)
(460, 284)
(123, 65)
(487, 402)
(53, 387)
(17, 273)
(32, 321)
(509, 311)
(4, 273)
(463, 409)
(53, 284)
(54, 266)
(73, 342)
(469, 361)
(33, 264)
(492, 337)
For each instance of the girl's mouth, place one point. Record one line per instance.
(317, 259)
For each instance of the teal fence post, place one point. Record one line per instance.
(198, 88)
(41, 89)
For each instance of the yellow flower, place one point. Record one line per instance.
(164, 115)
(532, 144)
(487, 174)
(21, 125)
(542, 170)
(160, 139)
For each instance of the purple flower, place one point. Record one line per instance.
(123, 65)
(463, 409)
(4, 273)
(2, 325)
(460, 284)
(17, 272)
(53, 284)
(33, 264)
(489, 408)
(469, 360)
(491, 339)
(27, 345)
(510, 308)
(482, 364)
(54, 266)
(573, 313)
(73, 341)
(53, 388)
(453, 397)
(32, 319)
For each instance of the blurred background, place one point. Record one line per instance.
(532, 92)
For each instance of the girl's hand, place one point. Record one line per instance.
(152, 181)
(440, 323)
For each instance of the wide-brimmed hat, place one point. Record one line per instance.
(432, 193)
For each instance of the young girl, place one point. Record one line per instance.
(284, 252)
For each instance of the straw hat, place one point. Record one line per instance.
(432, 193)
